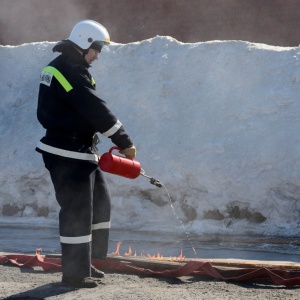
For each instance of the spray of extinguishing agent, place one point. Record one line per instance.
(130, 168)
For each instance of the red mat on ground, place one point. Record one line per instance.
(190, 268)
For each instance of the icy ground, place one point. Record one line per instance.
(217, 122)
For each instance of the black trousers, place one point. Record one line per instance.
(84, 218)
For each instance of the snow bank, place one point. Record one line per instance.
(217, 122)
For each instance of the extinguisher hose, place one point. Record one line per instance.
(152, 179)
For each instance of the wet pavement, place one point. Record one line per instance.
(26, 239)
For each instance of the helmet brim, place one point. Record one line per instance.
(98, 45)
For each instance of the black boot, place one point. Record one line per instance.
(79, 282)
(96, 273)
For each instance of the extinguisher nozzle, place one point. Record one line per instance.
(152, 180)
(155, 182)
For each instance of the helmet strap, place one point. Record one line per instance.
(85, 52)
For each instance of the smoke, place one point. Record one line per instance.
(26, 21)
(273, 22)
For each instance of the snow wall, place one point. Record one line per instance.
(217, 122)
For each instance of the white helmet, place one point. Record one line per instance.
(88, 32)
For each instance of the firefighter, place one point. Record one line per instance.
(73, 115)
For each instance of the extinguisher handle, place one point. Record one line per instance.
(114, 148)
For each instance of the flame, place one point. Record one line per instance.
(129, 253)
(38, 251)
(117, 252)
(157, 256)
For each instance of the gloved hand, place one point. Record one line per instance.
(129, 152)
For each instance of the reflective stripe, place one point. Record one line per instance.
(103, 225)
(93, 81)
(76, 239)
(113, 130)
(59, 77)
(67, 153)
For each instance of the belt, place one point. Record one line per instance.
(74, 137)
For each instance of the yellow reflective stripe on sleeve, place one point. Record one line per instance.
(93, 82)
(59, 77)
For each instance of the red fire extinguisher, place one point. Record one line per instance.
(122, 166)
(119, 165)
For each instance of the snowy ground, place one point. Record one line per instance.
(217, 122)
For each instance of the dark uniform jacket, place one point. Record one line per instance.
(70, 110)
